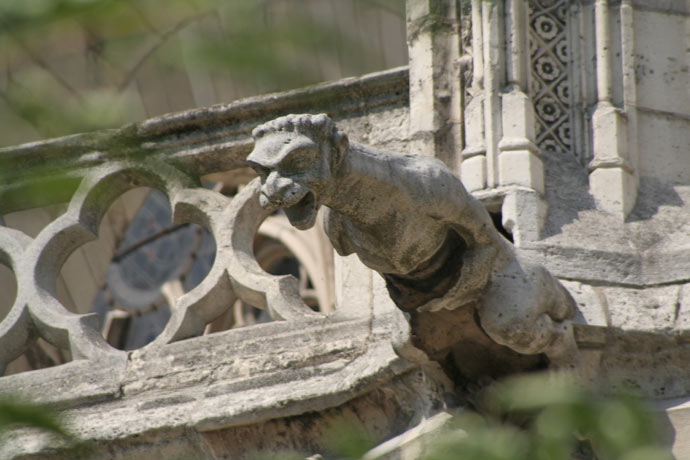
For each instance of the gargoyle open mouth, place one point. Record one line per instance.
(303, 214)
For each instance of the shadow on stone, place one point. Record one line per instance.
(567, 191)
(652, 194)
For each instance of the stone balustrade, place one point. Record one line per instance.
(170, 153)
(204, 385)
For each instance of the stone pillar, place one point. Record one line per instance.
(519, 162)
(484, 115)
(473, 169)
(612, 176)
(433, 37)
(493, 31)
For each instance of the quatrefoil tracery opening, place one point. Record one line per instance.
(38, 311)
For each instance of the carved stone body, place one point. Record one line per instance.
(409, 218)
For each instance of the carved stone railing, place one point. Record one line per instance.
(170, 154)
(236, 273)
(304, 361)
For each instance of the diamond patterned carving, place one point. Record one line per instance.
(549, 84)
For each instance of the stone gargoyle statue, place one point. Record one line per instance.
(411, 219)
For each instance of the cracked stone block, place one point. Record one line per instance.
(683, 305)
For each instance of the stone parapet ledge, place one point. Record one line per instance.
(194, 390)
(199, 141)
(651, 363)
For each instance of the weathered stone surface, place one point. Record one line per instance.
(683, 308)
(167, 395)
(658, 309)
(653, 364)
(651, 309)
(678, 413)
(436, 95)
(589, 303)
(72, 384)
(384, 412)
(390, 409)
(652, 247)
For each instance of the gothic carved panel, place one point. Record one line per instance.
(550, 85)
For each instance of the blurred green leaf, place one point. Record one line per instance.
(51, 114)
(471, 439)
(648, 453)
(277, 54)
(555, 414)
(282, 455)
(16, 413)
(531, 392)
(72, 65)
(348, 440)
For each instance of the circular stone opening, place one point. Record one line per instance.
(138, 267)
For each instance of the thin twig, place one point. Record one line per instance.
(143, 18)
(38, 60)
(163, 38)
(13, 106)
(384, 7)
(130, 249)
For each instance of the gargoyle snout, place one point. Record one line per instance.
(281, 192)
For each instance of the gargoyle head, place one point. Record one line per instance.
(296, 157)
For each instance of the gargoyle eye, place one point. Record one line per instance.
(300, 160)
(298, 163)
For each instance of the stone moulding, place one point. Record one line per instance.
(632, 269)
(167, 393)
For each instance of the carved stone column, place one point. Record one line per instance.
(500, 123)
(613, 180)
(433, 36)
(474, 172)
(519, 162)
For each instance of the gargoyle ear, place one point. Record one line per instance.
(342, 146)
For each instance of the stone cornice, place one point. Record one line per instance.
(633, 269)
(198, 141)
(319, 364)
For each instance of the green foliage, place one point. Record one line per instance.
(550, 417)
(348, 440)
(538, 417)
(14, 413)
(284, 455)
(72, 65)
